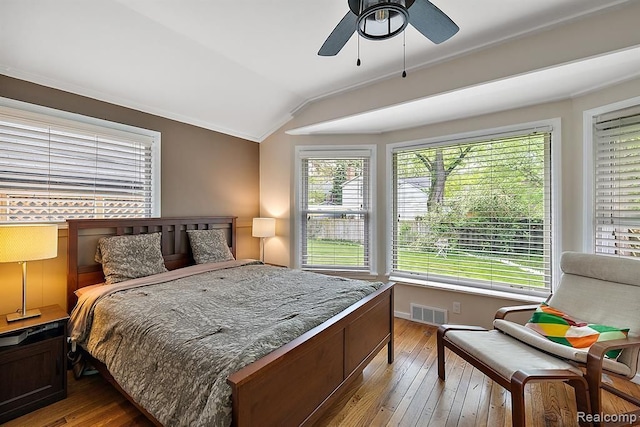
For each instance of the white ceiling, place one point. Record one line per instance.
(243, 67)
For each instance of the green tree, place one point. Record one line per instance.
(439, 170)
(339, 178)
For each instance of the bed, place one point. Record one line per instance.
(291, 385)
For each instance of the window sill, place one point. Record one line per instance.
(468, 290)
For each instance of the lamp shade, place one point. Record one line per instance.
(264, 227)
(28, 242)
(382, 19)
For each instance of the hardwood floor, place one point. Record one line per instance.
(405, 393)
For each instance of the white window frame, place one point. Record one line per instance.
(337, 151)
(24, 110)
(556, 208)
(588, 169)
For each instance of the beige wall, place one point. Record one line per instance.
(203, 173)
(580, 39)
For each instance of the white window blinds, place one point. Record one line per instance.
(617, 182)
(335, 206)
(53, 170)
(475, 212)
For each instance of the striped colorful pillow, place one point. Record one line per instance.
(563, 329)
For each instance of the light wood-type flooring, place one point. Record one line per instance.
(405, 393)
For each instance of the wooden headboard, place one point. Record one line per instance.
(84, 235)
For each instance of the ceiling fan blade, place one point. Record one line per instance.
(340, 35)
(433, 23)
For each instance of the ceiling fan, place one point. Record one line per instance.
(383, 19)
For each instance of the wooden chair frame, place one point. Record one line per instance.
(593, 369)
(516, 384)
(587, 388)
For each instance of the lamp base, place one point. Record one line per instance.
(12, 317)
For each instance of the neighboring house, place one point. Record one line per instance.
(413, 194)
(352, 196)
(332, 221)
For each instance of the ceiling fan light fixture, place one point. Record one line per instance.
(380, 19)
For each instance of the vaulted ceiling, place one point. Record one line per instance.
(244, 67)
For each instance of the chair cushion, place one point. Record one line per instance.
(602, 267)
(505, 354)
(564, 329)
(536, 340)
(601, 289)
(604, 290)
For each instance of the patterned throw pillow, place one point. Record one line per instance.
(563, 329)
(209, 246)
(129, 257)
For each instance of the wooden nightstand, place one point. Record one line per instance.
(33, 372)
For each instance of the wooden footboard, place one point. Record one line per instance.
(295, 384)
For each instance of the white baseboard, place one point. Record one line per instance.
(636, 379)
(402, 315)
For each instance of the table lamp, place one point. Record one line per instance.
(22, 243)
(263, 227)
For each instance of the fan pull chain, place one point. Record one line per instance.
(404, 54)
(358, 62)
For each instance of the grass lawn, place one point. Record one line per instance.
(462, 265)
(458, 264)
(331, 252)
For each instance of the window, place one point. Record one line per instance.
(334, 208)
(54, 168)
(475, 212)
(616, 207)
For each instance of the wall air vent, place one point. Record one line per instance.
(430, 315)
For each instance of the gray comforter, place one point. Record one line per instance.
(172, 344)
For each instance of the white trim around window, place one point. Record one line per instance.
(126, 166)
(589, 176)
(556, 243)
(337, 152)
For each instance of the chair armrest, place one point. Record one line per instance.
(600, 348)
(504, 311)
(595, 356)
(443, 329)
